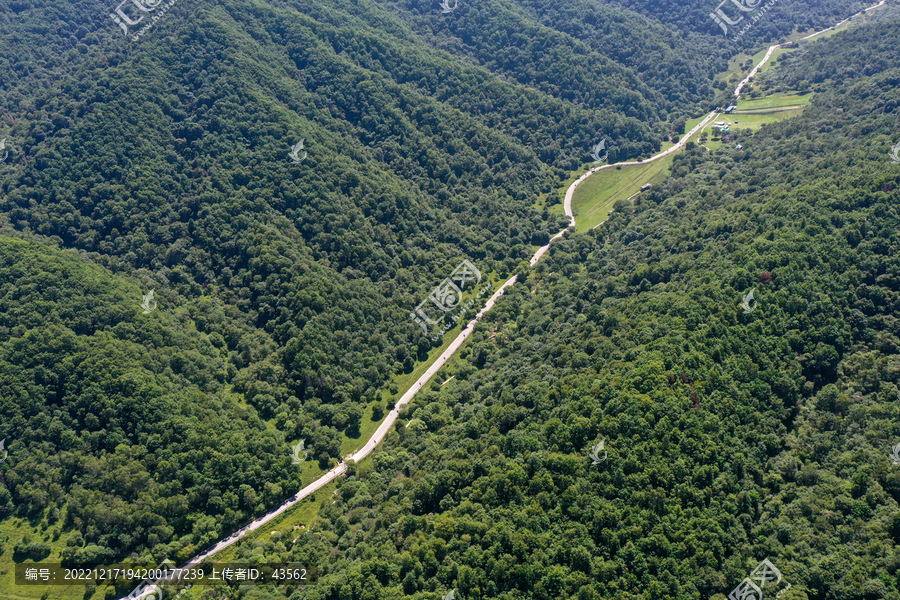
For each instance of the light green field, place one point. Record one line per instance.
(771, 109)
(755, 121)
(688, 126)
(773, 101)
(775, 55)
(751, 121)
(597, 194)
(12, 530)
(595, 197)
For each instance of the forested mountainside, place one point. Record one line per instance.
(732, 436)
(781, 18)
(284, 288)
(122, 419)
(819, 72)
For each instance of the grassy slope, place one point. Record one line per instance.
(598, 194)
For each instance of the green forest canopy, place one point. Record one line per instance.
(285, 290)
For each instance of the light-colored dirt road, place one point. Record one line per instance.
(391, 418)
(809, 37)
(737, 91)
(570, 193)
(389, 421)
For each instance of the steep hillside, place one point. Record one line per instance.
(732, 434)
(159, 161)
(161, 157)
(120, 427)
(777, 20)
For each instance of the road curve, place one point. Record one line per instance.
(737, 91)
(570, 193)
(389, 421)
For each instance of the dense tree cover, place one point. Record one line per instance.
(285, 290)
(810, 69)
(732, 437)
(559, 48)
(779, 21)
(120, 427)
(169, 155)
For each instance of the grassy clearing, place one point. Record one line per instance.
(691, 124)
(751, 122)
(734, 73)
(755, 121)
(13, 529)
(771, 110)
(771, 62)
(290, 524)
(774, 101)
(595, 197)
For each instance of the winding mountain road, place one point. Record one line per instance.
(570, 193)
(737, 91)
(392, 416)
